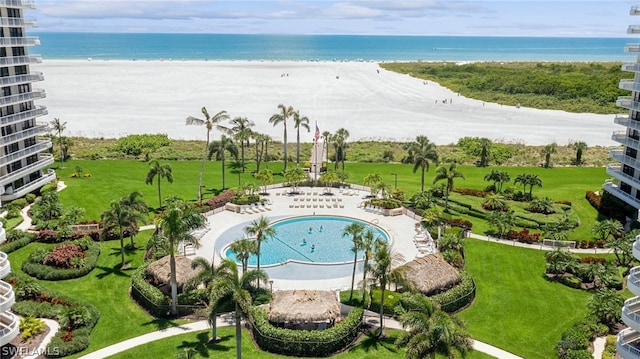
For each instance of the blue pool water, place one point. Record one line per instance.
(323, 232)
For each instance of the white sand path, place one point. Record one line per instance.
(114, 98)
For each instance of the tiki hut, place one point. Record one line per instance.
(431, 274)
(160, 273)
(304, 309)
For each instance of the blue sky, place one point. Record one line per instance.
(604, 18)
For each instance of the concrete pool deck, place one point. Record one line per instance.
(228, 226)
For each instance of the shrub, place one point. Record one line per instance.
(147, 295)
(30, 327)
(471, 192)
(60, 256)
(221, 199)
(30, 198)
(593, 260)
(523, 236)
(459, 222)
(16, 240)
(35, 265)
(457, 297)
(49, 187)
(571, 281)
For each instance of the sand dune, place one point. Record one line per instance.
(115, 98)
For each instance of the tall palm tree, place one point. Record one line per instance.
(59, 127)
(231, 286)
(326, 135)
(244, 248)
(160, 171)
(354, 230)
(547, 151)
(261, 229)
(369, 242)
(219, 148)
(340, 138)
(498, 178)
(209, 122)
(241, 131)
(119, 218)
(173, 226)
(579, 147)
(281, 118)
(449, 175)
(422, 151)
(299, 121)
(502, 220)
(386, 268)
(136, 204)
(533, 180)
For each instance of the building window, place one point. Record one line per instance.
(32, 159)
(21, 70)
(628, 170)
(18, 51)
(631, 152)
(15, 32)
(34, 176)
(6, 111)
(17, 184)
(24, 88)
(4, 71)
(16, 166)
(6, 91)
(12, 12)
(29, 142)
(624, 187)
(26, 106)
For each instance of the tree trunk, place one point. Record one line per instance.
(121, 248)
(214, 327)
(242, 154)
(422, 180)
(238, 333)
(174, 284)
(382, 288)
(364, 279)
(223, 186)
(353, 275)
(298, 147)
(258, 255)
(286, 159)
(159, 196)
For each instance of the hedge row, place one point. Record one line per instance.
(304, 343)
(16, 240)
(457, 297)
(51, 236)
(146, 294)
(33, 299)
(34, 267)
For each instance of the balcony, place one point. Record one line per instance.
(23, 41)
(633, 282)
(629, 84)
(631, 313)
(21, 79)
(632, 48)
(23, 97)
(8, 327)
(3, 235)
(24, 134)
(25, 115)
(631, 67)
(628, 344)
(44, 160)
(50, 176)
(619, 155)
(622, 138)
(5, 267)
(17, 22)
(615, 170)
(40, 146)
(21, 4)
(7, 296)
(633, 29)
(620, 194)
(20, 60)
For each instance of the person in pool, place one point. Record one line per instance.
(313, 248)
(304, 242)
(320, 228)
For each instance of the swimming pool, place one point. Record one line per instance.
(312, 239)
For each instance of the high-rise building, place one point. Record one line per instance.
(22, 161)
(628, 345)
(9, 322)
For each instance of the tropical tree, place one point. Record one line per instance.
(484, 147)
(560, 260)
(329, 177)
(59, 127)
(209, 123)
(136, 204)
(261, 229)
(527, 179)
(371, 180)
(340, 140)
(265, 177)
(385, 269)
(449, 175)
(354, 230)
(174, 226)
(294, 175)
(219, 149)
(119, 218)
(299, 121)
(502, 220)
(422, 200)
(495, 202)
(231, 287)
(73, 214)
(558, 230)
(156, 169)
(368, 244)
(498, 178)
(541, 205)
(607, 229)
(547, 151)
(326, 135)
(594, 272)
(241, 132)
(579, 147)
(422, 152)
(281, 118)
(244, 248)
(606, 305)
(622, 249)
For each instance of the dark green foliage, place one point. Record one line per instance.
(147, 295)
(304, 343)
(571, 281)
(134, 145)
(16, 240)
(457, 297)
(34, 266)
(575, 340)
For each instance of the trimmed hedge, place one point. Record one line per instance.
(33, 299)
(146, 294)
(34, 267)
(457, 297)
(16, 240)
(304, 343)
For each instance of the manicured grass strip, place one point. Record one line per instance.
(367, 347)
(516, 308)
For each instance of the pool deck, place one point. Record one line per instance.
(227, 226)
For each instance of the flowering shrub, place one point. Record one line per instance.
(459, 222)
(593, 260)
(62, 255)
(221, 199)
(524, 236)
(471, 192)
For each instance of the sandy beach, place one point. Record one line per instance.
(115, 98)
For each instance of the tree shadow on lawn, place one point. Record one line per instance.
(116, 270)
(203, 345)
(163, 323)
(370, 342)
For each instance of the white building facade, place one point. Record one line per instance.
(22, 161)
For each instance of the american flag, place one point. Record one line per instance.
(317, 134)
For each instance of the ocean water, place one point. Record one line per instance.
(118, 46)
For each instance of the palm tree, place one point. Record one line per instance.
(541, 205)
(136, 204)
(326, 135)
(449, 175)
(230, 286)
(261, 229)
(502, 220)
(281, 118)
(173, 226)
(119, 218)
(605, 305)
(547, 151)
(371, 180)
(244, 248)
(368, 243)
(209, 122)
(294, 175)
(495, 202)
(354, 230)
(607, 229)
(530, 180)
(161, 171)
(241, 130)
(422, 151)
(559, 261)
(299, 121)
(385, 268)
(219, 148)
(59, 127)
(265, 177)
(579, 147)
(498, 178)
(340, 140)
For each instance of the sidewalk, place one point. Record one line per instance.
(538, 246)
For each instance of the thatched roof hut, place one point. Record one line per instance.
(161, 272)
(431, 274)
(303, 306)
